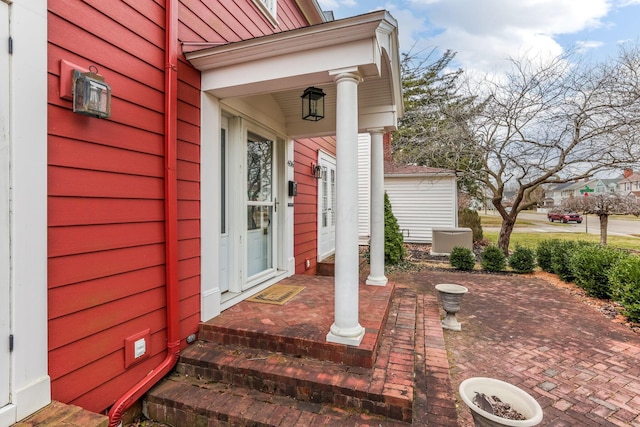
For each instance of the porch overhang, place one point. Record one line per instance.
(282, 65)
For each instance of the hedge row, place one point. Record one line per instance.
(601, 271)
(522, 260)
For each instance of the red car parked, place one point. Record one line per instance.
(564, 217)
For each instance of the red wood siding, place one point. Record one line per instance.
(234, 20)
(305, 219)
(106, 200)
(106, 185)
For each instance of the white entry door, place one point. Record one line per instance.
(5, 229)
(326, 206)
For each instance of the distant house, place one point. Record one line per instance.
(596, 186)
(422, 198)
(629, 184)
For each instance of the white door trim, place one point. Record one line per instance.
(5, 227)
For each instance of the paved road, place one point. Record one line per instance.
(620, 227)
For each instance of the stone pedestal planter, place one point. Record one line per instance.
(519, 400)
(451, 297)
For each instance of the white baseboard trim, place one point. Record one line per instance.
(34, 397)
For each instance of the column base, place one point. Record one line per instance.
(349, 337)
(377, 281)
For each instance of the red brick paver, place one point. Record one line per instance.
(583, 368)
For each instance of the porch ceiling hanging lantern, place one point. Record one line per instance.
(313, 104)
(91, 95)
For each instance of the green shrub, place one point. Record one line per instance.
(561, 259)
(493, 259)
(590, 265)
(625, 285)
(462, 258)
(544, 254)
(522, 260)
(394, 250)
(470, 219)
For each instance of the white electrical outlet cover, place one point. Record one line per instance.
(139, 348)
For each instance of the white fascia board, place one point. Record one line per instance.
(387, 35)
(290, 71)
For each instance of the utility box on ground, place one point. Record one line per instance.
(445, 239)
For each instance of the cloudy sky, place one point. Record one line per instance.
(486, 32)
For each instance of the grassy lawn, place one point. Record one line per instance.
(531, 240)
(496, 221)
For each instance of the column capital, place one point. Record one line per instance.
(352, 73)
(379, 130)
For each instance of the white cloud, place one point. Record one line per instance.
(585, 45)
(485, 33)
(334, 5)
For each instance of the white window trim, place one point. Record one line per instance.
(270, 9)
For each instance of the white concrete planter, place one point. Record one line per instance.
(519, 400)
(451, 297)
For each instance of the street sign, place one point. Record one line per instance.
(586, 190)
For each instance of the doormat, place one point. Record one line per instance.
(277, 294)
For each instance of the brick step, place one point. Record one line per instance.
(304, 379)
(231, 384)
(309, 341)
(321, 350)
(182, 400)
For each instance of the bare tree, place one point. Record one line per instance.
(603, 205)
(550, 122)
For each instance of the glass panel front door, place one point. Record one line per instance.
(261, 201)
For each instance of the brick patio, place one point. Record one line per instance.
(582, 367)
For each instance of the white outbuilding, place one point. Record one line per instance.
(422, 198)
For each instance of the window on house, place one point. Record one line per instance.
(269, 8)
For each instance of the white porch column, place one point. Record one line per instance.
(376, 245)
(346, 329)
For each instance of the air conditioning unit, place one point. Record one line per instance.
(443, 240)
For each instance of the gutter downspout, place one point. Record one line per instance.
(171, 221)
